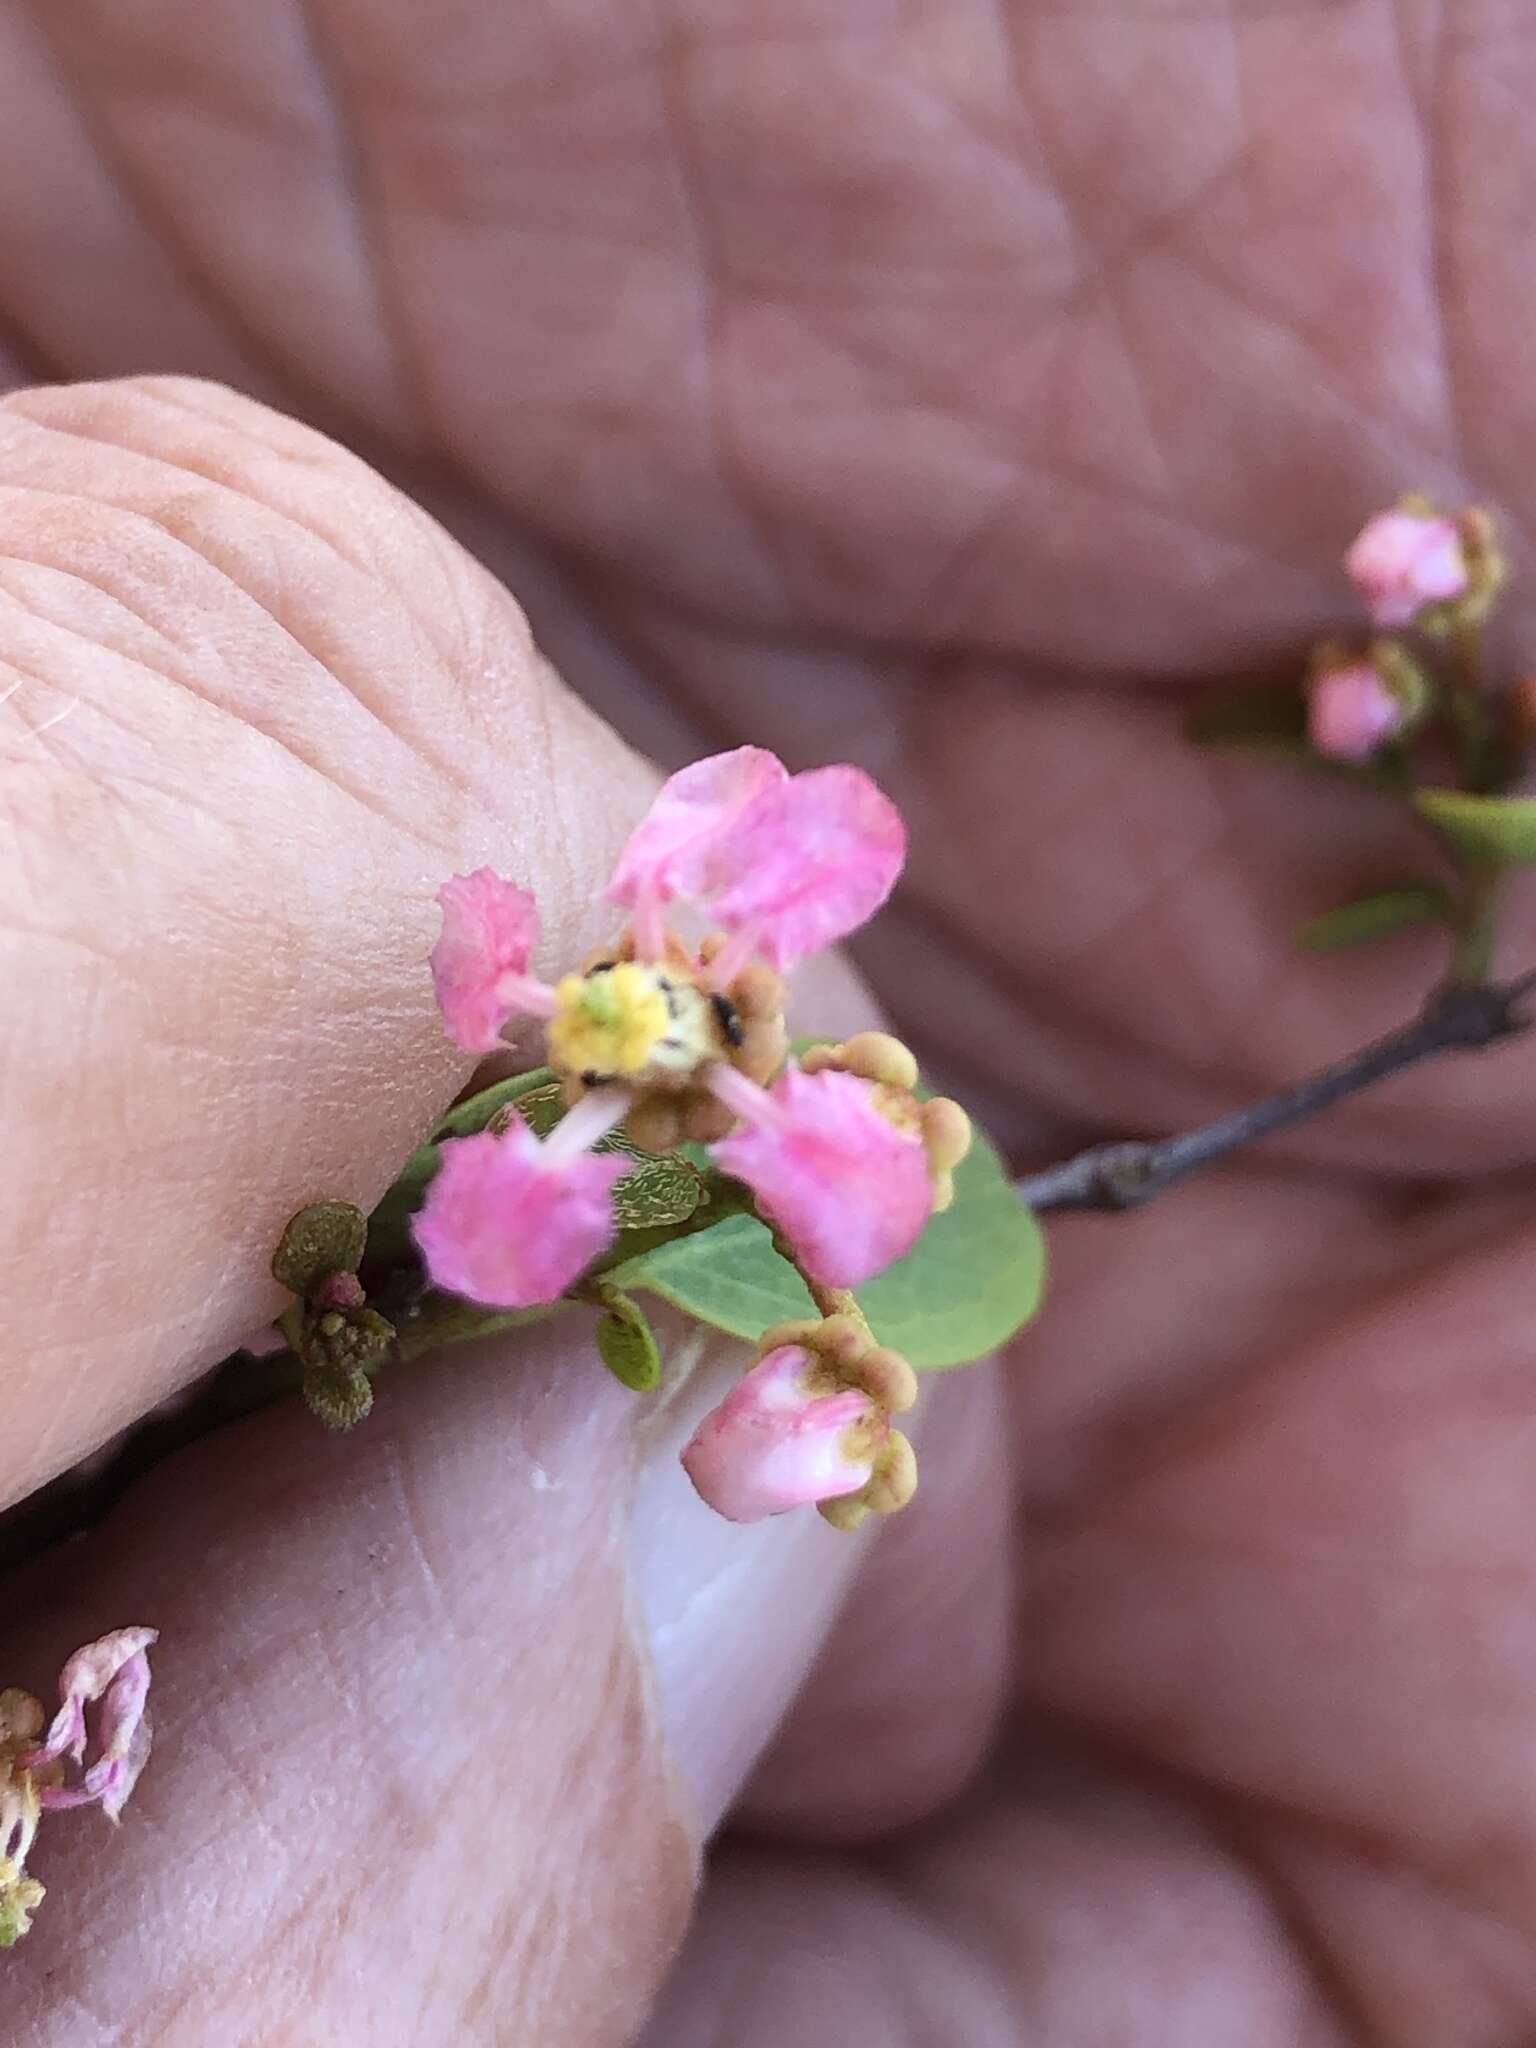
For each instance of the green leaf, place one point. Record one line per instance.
(327, 1237)
(443, 1319)
(341, 1400)
(1495, 831)
(625, 1341)
(973, 1278)
(1373, 917)
(662, 1190)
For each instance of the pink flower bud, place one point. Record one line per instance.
(774, 1444)
(1350, 711)
(1403, 561)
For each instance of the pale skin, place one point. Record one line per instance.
(930, 385)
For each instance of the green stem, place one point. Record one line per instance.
(1467, 704)
(1473, 956)
(830, 1301)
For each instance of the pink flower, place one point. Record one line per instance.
(1403, 561)
(510, 1221)
(114, 1670)
(693, 812)
(788, 863)
(1351, 711)
(773, 1444)
(848, 1188)
(810, 861)
(480, 964)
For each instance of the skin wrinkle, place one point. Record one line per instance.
(1053, 154)
(224, 492)
(370, 228)
(933, 617)
(118, 170)
(134, 303)
(163, 393)
(184, 680)
(710, 256)
(1439, 253)
(1200, 632)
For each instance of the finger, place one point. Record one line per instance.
(903, 1704)
(408, 1784)
(293, 708)
(256, 707)
(1312, 1599)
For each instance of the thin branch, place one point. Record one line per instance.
(1125, 1174)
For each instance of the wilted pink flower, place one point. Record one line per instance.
(1351, 711)
(480, 963)
(114, 1670)
(848, 1188)
(774, 1444)
(1403, 561)
(511, 1221)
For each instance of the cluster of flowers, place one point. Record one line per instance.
(1413, 567)
(113, 1670)
(683, 1041)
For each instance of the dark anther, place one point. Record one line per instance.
(601, 967)
(730, 1023)
(593, 1079)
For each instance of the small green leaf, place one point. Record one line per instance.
(663, 1187)
(972, 1280)
(626, 1342)
(439, 1320)
(341, 1400)
(389, 1234)
(1495, 831)
(327, 1237)
(1373, 917)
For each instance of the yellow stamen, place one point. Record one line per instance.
(610, 1022)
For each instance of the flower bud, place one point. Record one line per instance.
(1405, 560)
(782, 1439)
(1351, 711)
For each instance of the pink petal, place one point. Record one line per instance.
(849, 1190)
(122, 1711)
(693, 809)
(507, 1224)
(771, 1445)
(1403, 561)
(1350, 711)
(89, 1673)
(811, 861)
(480, 963)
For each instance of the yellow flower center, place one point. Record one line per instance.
(628, 1022)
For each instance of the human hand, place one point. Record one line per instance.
(999, 369)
